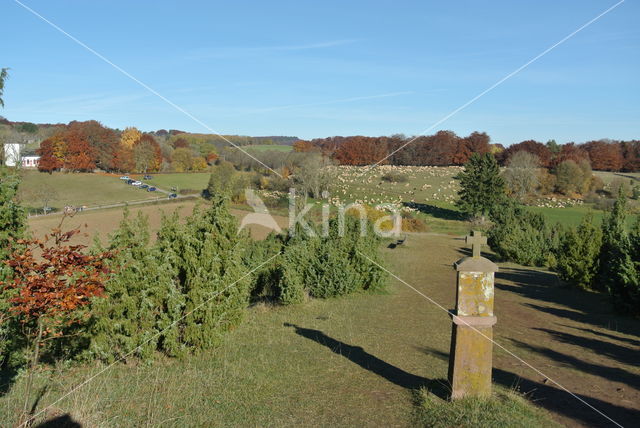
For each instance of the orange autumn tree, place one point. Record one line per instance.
(359, 150)
(49, 161)
(79, 155)
(51, 281)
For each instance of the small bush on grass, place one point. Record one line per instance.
(394, 177)
(523, 237)
(505, 408)
(414, 224)
(321, 267)
(578, 253)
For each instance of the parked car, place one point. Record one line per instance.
(172, 196)
(144, 186)
(130, 181)
(136, 183)
(124, 177)
(147, 177)
(151, 189)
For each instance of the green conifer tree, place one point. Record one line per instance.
(206, 255)
(143, 302)
(578, 254)
(618, 274)
(482, 187)
(13, 221)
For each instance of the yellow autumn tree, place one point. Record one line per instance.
(59, 147)
(130, 136)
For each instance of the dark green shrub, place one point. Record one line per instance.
(181, 294)
(523, 237)
(321, 266)
(206, 256)
(13, 221)
(142, 299)
(578, 253)
(619, 272)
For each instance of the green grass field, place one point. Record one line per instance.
(572, 216)
(607, 177)
(360, 360)
(433, 191)
(186, 180)
(76, 189)
(269, 147)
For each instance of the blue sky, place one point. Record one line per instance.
(316, 69)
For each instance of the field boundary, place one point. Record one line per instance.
(120, 204)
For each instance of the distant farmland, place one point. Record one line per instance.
(269, 147)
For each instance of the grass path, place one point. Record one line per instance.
(354, 361)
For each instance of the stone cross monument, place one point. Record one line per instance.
(470, 359)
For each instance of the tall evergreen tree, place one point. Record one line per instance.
(482, 188)
(12, 227)
(578, 254)
(618, 274)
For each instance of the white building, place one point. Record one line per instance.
(30, 161)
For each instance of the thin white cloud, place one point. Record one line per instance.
(244, 51)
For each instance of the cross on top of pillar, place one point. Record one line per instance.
(476, 240)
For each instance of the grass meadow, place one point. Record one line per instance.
(269, 147)
(76, 189)
(431, 193)
(428, 192)
(179, 180)
(369, 359)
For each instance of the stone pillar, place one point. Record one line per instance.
(470, 359)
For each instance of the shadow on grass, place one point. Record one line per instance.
(64, 421)
(581, 306)
(614, 351)
(466, 252)
(614, 374)
(359, 356)
(7, 378)
(437, 212)
(632, 342)
(559, 401)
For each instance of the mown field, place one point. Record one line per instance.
(101, 223)
(180, 181)
(76, 189)
(608, 177)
